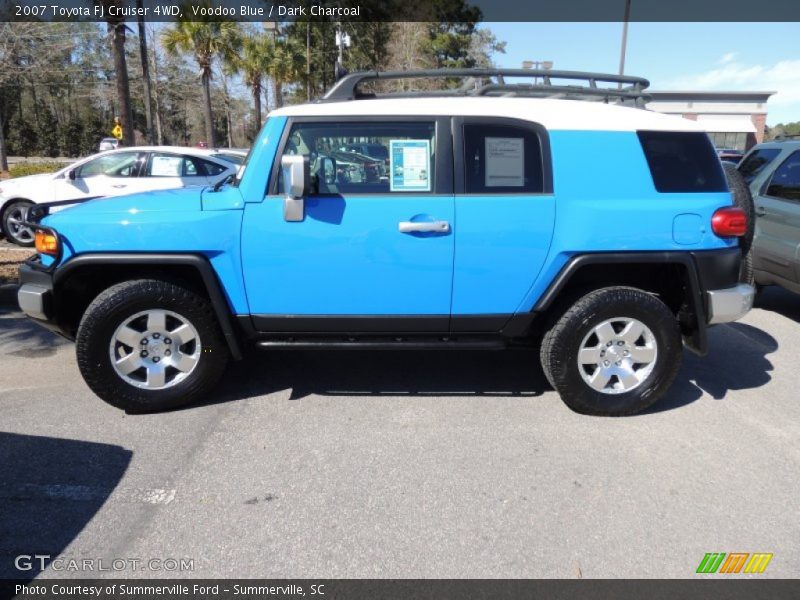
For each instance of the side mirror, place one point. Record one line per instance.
(296, 178)
(328, 170)
(71, 174)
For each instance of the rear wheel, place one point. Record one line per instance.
(149, 345)
(615, 352)
(14, 216)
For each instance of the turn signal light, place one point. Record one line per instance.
(46, 243)
(729, 222)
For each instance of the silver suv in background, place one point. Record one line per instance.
(772, 170)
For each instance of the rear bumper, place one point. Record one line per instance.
(730, 304)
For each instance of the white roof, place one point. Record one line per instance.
(553, 114)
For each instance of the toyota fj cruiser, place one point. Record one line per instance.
(485, 227)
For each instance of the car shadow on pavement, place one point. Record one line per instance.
(20, 336)
(778, 300)
(329, 372)
(736, 360)
(50, 489)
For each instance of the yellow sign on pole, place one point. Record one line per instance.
(117, 131)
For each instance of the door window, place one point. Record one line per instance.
(785, 181)
(502, 159)
(366, 158)
(161, 164)
(121, 164)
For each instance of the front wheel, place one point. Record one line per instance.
(14, 216)
(149, 345)
(615, 352)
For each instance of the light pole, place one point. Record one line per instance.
(624, 47)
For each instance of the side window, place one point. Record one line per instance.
(121, 164)
(400, 156)
(502, 159)
(682, 162)
(755, 162)
(785, 182)
(210, 168)
(164, 165)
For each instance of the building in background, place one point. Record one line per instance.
(734, 120)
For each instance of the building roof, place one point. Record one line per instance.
(687, 95)
(553, 114)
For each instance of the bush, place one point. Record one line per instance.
(34, 168)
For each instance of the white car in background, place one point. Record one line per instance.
(112, 173)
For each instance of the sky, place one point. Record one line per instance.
(673, 56)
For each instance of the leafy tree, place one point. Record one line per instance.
(205, 41)
(253, 62)
(286, 65)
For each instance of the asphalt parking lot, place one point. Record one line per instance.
(406, 464)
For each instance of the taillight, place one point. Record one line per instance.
(729, 222)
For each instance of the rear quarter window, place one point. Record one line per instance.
(682, 162)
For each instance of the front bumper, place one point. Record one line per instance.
(730, 304)
(36, 299)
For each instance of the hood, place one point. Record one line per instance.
(177, 200)
(17, 182)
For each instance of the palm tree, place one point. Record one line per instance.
(286, 65)
(205, 40)
(253, 63)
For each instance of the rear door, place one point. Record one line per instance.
(374, 252)
(777, 246)
(505, 214)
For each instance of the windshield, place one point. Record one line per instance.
(751, 166)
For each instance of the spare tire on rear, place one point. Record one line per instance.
(741, 199)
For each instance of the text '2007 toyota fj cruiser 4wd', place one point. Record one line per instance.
(606, 233)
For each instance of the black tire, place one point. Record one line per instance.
(561, 344)
(742, 198)
(746, 274)
(115, 306)
(11, 231)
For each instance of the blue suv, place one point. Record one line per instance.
(485, 227)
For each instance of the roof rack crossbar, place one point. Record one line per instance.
(628, 87)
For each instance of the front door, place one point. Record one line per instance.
(107, 175)
(374, 252)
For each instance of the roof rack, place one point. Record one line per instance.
(491, 82)
(786, 137)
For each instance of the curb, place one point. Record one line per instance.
(8, 296)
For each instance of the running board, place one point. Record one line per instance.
(393, 343)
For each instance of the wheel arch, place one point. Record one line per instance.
(83, 277)
(672, 276)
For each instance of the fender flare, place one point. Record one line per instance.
(197, 262)
(697, 340)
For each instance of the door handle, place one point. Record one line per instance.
(120, 185)
(760, 211)
(423, 226)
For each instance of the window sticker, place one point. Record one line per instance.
(505, 162)
(166, 166)
(410, 165)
